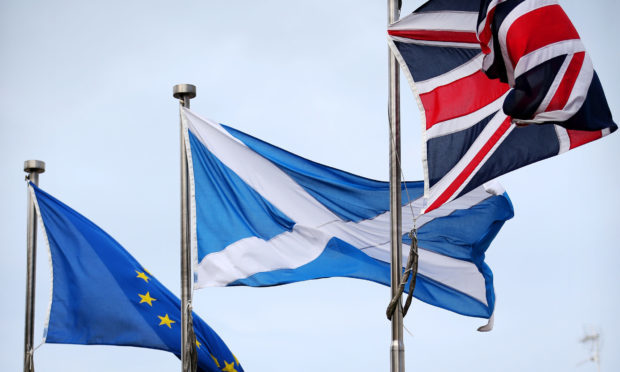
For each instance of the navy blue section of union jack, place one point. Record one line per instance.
(468, 138)
(534, 47)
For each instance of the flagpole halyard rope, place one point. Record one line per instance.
(411, 270)
(36, 347)
(412, 263)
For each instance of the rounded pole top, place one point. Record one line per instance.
(34, 166)
(180, 91)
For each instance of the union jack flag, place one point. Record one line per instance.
(448, 47)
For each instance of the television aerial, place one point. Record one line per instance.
(593, 340)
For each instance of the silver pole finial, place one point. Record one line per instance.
(184, 92)
(34, 166)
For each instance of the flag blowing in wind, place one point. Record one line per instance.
(102, 296)
(470, 131)
(263, 216)
(534, 47)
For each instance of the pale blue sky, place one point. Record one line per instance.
(86, 87)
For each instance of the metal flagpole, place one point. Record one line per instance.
(397, 348)
(33, 168)
(185, 92)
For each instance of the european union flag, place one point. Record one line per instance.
(103, 296)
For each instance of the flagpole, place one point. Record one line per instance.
(397, 347)
(33, 168)
(185, 92)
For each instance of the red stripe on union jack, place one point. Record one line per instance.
(580, 137)
(533, 30)
(448, 36)
(452, 189)
(461, 101)
(563, 92)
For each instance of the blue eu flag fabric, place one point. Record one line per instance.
(103, 296)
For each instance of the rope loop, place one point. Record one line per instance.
(411, 270)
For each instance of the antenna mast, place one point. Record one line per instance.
(593, 339)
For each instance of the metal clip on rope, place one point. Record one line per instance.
(410, 269)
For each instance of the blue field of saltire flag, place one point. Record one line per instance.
(263, 216)
(102, 296)
(474, 104)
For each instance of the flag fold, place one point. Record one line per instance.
(533, 47)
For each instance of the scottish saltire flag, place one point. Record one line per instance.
(468, 139)
(264, 216)
(102, 296)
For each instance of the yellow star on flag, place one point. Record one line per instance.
(165, 320)
(230, 367)
(142, 275)
(215, 360)
(147, 298)
(198, 344)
